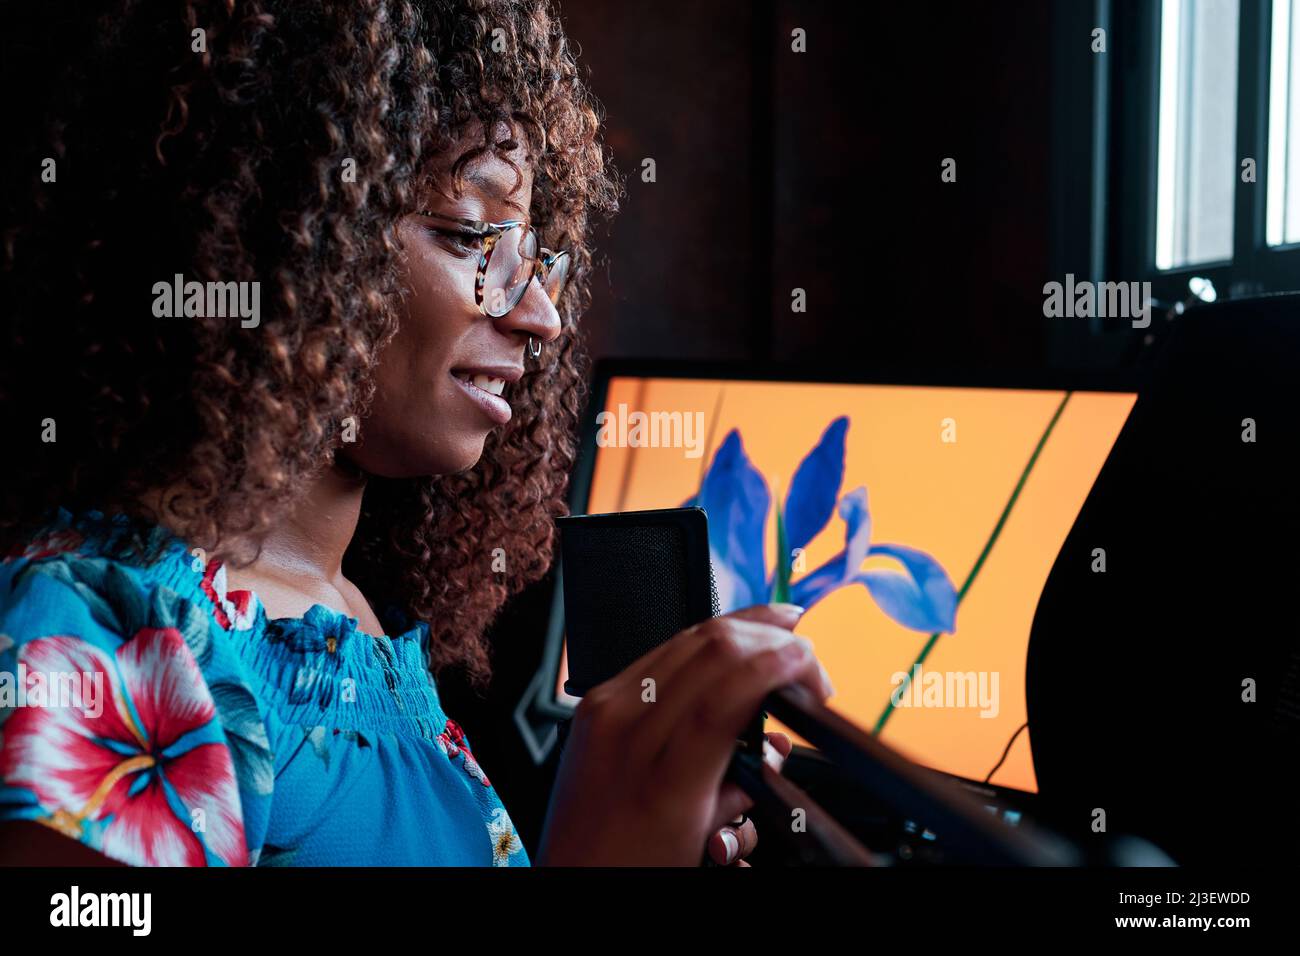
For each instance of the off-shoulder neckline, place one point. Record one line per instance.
(323, 619)
(319, 618)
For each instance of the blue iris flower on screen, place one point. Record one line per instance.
(920, 596)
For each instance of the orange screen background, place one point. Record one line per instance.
(941, 497)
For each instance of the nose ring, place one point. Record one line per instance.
(534, 347)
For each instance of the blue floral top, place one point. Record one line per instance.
(155, 716)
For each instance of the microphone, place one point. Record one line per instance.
(633, 580)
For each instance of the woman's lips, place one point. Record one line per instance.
(486, 391)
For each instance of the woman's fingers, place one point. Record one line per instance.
(733, 843)
(665, 692)
(782, 615)
(665, 663)
(732, 800)
(700, 716)
(782, 745)
(671, 720)
(729, 665)
(671, 655)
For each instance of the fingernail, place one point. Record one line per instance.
(772, 757)
(732, 844)
(786, 608)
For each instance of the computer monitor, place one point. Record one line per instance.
(944, 509)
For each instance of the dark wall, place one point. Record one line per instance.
(818, 170)
(678, 270)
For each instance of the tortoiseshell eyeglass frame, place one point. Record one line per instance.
(490, 233)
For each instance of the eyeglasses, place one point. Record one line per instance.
(509, 258)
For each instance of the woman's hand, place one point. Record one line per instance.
(641, 780)
(734, 842)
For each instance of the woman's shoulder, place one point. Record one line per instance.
(125, 719)
(115, 571)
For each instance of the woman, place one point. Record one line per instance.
(292, 299)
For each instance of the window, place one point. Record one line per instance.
(1284, 127)
(1197, 132)
(1195, 165)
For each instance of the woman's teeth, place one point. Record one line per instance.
(489, 384)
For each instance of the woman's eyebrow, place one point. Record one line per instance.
(493, 187)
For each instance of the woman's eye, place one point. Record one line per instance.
(458, 238)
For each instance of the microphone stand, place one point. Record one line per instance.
(970, 833)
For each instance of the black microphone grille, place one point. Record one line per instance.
(630, 583)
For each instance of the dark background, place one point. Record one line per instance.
(820, 170)
(817, 170)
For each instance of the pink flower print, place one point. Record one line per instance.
(233, 610)
(129, 778)
(452, 743)
(61, 541)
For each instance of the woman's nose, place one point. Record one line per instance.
(534, 316)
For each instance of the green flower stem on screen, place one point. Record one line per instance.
(979, 563)
(781, 588)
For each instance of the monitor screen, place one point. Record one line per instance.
(918, 525)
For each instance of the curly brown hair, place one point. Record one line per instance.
(225, 164)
